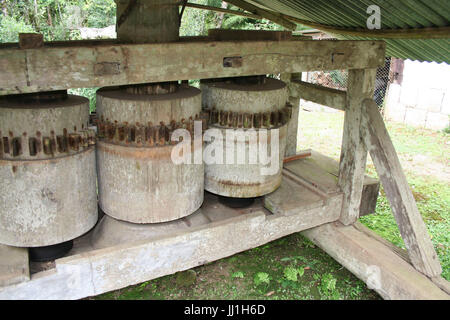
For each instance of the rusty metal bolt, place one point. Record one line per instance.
(275, 118)
(214, 116)
(91, 139)
(257, 120)
(62, 144)
(74, 141)
(16, 146)
(47, 146)
(131, 134)
(5, 142)
(266, 119)
(247, 120)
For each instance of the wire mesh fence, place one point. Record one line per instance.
(338, 79)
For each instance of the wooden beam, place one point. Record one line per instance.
(99, 63)
(248, 35)
(294, 105)
(374, 263)
(353, 159)
(413, 33)
(228, 11)
(329, 97)
(269, 15)
(92, 272)
(412, 228)
(14, 265)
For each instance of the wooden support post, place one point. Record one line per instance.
(361, 83)
(292, 131)
(412, 228)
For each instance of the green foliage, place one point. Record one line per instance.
(89, 93)
(327, 287)
(237, 274)
(261, 277)
(10, 29)
(99, 13)
(446, 130)
(56, 19)
(290, 273)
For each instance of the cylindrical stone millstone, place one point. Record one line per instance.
(138, 181)
(246, 108)
(47, 170)
(147, 21)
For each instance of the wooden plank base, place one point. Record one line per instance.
(374, 262)
(91, 272)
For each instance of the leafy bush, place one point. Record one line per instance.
(89, 93)
(10, 29)
(261, 277)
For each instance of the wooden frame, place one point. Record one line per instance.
(83, 64)
(224, 232)
(106, 63)
(364, 131)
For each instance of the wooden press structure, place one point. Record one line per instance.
(319, 197)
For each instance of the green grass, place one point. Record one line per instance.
(293, 267)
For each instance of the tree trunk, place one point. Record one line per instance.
(50, 22)
(36, 16)
(221, 14)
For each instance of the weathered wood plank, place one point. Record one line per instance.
(64, 65)
(292, 129)
(329, 97)
(361, 84)
(318, 168)
(402, 253)
(374, 263)
(235, 12)
(269, 15)
(371, 186)
(242, 35)
(311, 172)
(412, 228)
(442, 283)
(98, 271)
(14, 265)
(292, 197)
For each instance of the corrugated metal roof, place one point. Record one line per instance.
(395, 14)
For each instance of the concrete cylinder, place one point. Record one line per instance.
(138, 181)
(47, 171)
(245, 109)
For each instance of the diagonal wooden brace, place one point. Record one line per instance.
(412, 228)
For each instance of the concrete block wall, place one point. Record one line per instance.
(423, 98)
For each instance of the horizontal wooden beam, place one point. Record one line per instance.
(329, 97)
(413, 33)
(96, 63)
(267, 14)
(248, 35)
(375, 263)
(228, 11)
